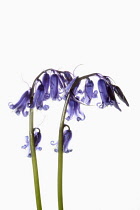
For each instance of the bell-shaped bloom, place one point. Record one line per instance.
(46, 84)
(107, 94)
(54, 87)
(21, 105)
(39, 98)
(67, 136)
(103, 93)
(37, 139)
(74, 109)
(89, 93)
(66, 139)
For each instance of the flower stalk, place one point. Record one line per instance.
(34, 162)
(60, 150)
(60, 156)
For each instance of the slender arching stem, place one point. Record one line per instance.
(60, 157)
(34, 162)
(60, 151)
(32, 147)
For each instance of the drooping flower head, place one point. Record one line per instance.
(37, 139)
(38, 98)
(21, 105)
(67, 136)
(107, 93)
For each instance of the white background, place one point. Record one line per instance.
(103, 171)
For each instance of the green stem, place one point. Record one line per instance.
(34, 162)
(60, 156)
(60, 150)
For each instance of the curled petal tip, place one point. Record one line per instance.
(46, 107)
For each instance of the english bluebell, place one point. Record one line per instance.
(54, 87)
(22, 104)
(88, 92)
(107, 93)
(37, 139)
(39, 98)
(46, 84)
(67, 136)
(74, 109)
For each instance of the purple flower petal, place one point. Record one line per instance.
(46, 83)
(54, 93)
(103, 93)
(74, 110)
(67, 135)
(37, 139)
(21, 105)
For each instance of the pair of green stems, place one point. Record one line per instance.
(60, 159)
(60, 151)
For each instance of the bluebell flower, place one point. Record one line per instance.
(21, 105)
(74, 109)
(88, 91)
(46, 84)
(67, 136)
(103, 93)
(37, 139)
(39, 98)
(107, 93)
(54, 87)
(107, 96)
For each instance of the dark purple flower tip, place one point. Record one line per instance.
(37, 139)
(120, 94)
(22, 104)
(74, 109)
(68, 76)
(112, 97)
(37, 136)
(107, 94)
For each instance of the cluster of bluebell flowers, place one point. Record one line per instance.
(56, 85)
